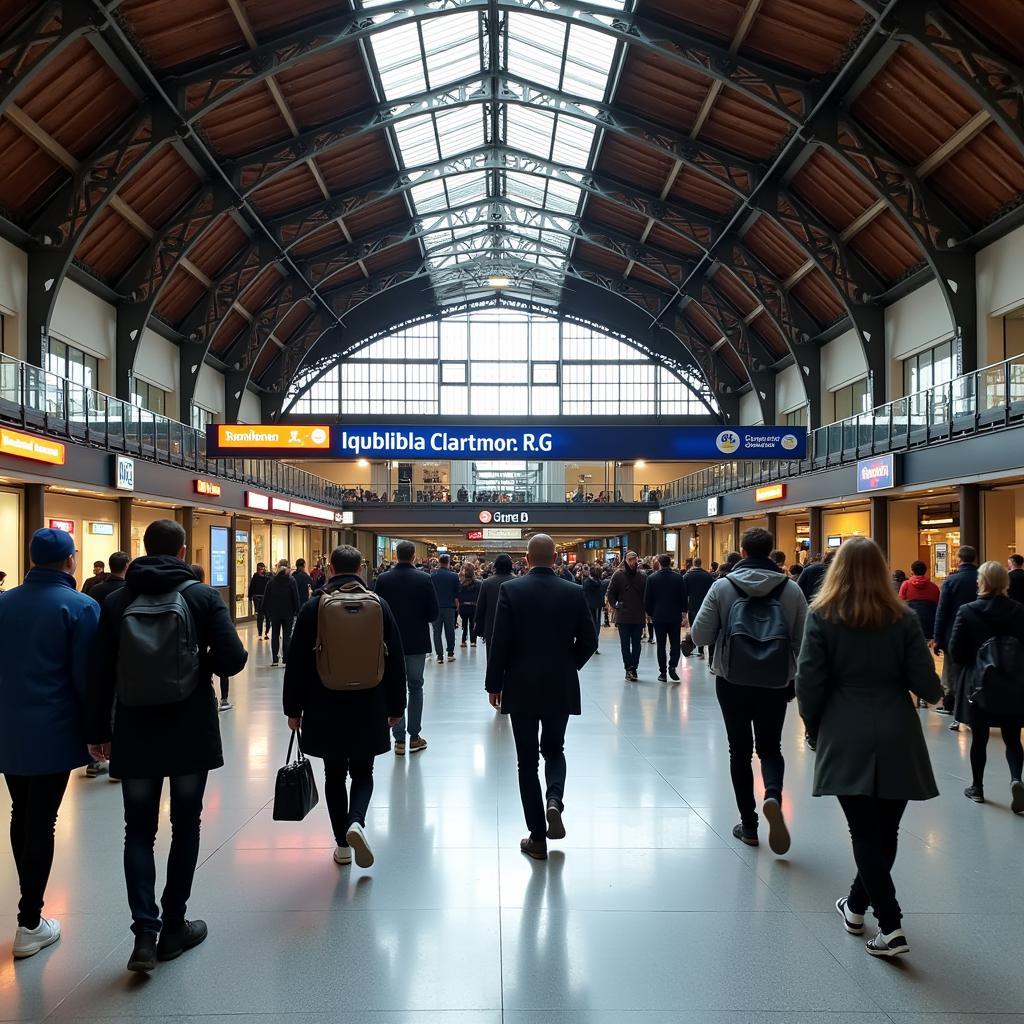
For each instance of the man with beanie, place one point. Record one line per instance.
(47, 629)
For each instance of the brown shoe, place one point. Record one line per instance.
(417, 743)
(533, 848)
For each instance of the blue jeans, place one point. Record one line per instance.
(414, 711)
(629, 639)
(446, 620)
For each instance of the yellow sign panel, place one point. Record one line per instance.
(771, 492)
(230, 435)
(28, 446)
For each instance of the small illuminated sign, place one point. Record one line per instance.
(253, 499)
(101, 529)
(67, 525)
(770, 492)
(25, 446)
(264, 438)
(124, 473)
(713, 506)
(474, 535)
(207, 488)
(655, 517)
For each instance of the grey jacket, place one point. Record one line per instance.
(853, 688)
(754, 577)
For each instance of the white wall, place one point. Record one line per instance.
(1000, 277)
(250, 411)
(157, 363)
(916, 322)
(789, 390)
(210, 391)
(87, 322)
(842, 362)
(13, 296)
(750, 409)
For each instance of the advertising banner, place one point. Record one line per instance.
(877, 474)
(555, 443)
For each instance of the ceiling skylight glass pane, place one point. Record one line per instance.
(460, 129)
(588, 61)
(400, 61)
(535, 49)
(530, 129)
(429, 195)
(573, 139)
(453, 47)
(527, 188)
(562, 198)
(416, 140)
(467, 188)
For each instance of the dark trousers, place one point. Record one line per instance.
(630, 639)
(225, 687)
(874, 828)
(979, 750)
(536, 736)
(468, 613)
(35, 801)
(344, 809)
(257, 604)
(753, 721)
(671, 632)
(596, 613)
(280, 628)
(445, 621)
(141, 817)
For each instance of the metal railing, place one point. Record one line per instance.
(40, 400)
(551, 494)
(991, 398)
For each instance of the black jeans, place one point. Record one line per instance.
(225, 687)
(279, 627)
(529, 746)
(670, 631)
(141, 817)
(753, 721)
(35, 801)
(596, 614)
(257, 603)
(874, 828)
(630, 640)
(979, 750)
(468, 613)
(343, 810)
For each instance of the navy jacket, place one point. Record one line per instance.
(811, 579)
(697, 583)
(960, 588)
(487, 604)
(281, 598)
(665, 596)
(411, 598)
(446, 586)
(304, 583)
(46, 629)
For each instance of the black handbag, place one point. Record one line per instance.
(295, 794)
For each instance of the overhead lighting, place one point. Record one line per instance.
(362, 462)
(640, 464)
(498, 281)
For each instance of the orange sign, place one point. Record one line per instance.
(207, 487)
(771, 492)
(234, 435)
(27, 446)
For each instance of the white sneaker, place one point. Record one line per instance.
(343, 855)
(893, 944)
(28, 941)
(356, 838)
(854, 923)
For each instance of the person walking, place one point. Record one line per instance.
(99, 574)
(863, 655)
(543, 635)
(118, 563)
(1015, 565)
(626, 597)
(593, 594)
(697, 582)
(959, 588)
(469, 594)
(346, 729)
(413, 602)
(993, 616)
(487, 602)
(755, 619)
(161, 639)
(922, 597)
(303, 581)
(446, 587)
(665, 602)
(257, 590)
(281, 604)
(46, 630)
(225, 681)
(813, 576)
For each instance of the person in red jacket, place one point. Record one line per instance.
(923, 597)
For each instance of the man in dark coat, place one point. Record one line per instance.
(280, 606)
(626, 596)
(487, 602)
(147, 744)
(543, 635)
(413, 602)
(960, 588)
(118, 563)
(811, 579)
(303, 581)
(446, 587)
(697, 582)
(257, 588)
(1015, 565)
(346, 729)
(665, 603)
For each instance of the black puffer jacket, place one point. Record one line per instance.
(281, 598)
(171, 739)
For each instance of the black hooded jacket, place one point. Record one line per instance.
(169, 739)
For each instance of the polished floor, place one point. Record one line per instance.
(648, 912)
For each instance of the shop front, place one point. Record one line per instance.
(11, 512)
(926, 530)
(838, 525)
(93, 522)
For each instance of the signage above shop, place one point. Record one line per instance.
(268, 503)
(253, 499)
(67, 525)
(124, 473)
(474, 535)
(501, 533)
(207, 488)
(877, 474)
(713, 506)
(101, 529)
(655, 517)
(26, 446)
(487, 516)
(558, 443)
(770, 492)
(346, 518)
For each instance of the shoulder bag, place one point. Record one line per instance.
(295, 794)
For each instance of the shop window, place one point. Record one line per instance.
(201, 418)
(851, 400)
(149, 396)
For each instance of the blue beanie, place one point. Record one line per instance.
(49, 546)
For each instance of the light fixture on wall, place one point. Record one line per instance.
(363, 463)
(498, 281)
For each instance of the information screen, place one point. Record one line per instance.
(218, 556)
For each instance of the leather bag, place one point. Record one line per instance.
(295, 794)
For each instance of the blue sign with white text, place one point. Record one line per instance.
(877, 474)
(535, 443)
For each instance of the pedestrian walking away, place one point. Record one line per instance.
(469, 594)
(257, 590)
(446, 587)
(959, 588)
(626, 597)
(665, 602)
(697, 582)
(281, 604)
(487, 602)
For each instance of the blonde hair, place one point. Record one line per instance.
(857, 591)
(993, 579)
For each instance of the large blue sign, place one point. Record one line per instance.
(554, 443)
(877, 474)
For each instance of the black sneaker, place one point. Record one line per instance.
(440, 661)
(746, 834)
(673, 675)
(274, 663)
(556, 827)
(940, 710)
(1017, 796)
(175, 941)
(143, 958)
(975, 793)
(662, 678)
(778, 832)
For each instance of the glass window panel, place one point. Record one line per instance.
(454, 401)
(452, 47)
(400, 61)
(453, 373)
(535, 50)
(545, 373)
(544, 401)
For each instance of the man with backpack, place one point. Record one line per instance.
(344, 689)
(161, 639)
(755, 619)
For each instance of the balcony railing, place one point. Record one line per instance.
(988, 399)
(35, 398)
(552, 494)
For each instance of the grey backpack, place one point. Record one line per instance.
(158, 653)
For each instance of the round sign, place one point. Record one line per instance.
(319, 435)
(727, 442)
(485, 516)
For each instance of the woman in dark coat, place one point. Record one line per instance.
(993, 614)
(863, 652)
(593, 594)
(281, 604)
(469, 594)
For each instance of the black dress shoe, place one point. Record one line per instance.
(556, 827)
(535, 848)
(673, 675)
(175, 941)
(143, 958)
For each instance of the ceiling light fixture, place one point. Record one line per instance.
(498, 281)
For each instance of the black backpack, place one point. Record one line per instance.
(158, 652)
(758, 648)
(997, 682)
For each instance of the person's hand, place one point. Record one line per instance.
(495, 700)
(99, 751)
(392, 721)
(295, 723)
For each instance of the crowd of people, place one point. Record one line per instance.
(463, 495)
(120, 677)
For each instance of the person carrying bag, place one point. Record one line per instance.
(295, 793)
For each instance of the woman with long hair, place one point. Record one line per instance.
(994, 614)
(863, 654)
(469, 594)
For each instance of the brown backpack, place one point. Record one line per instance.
(350, 648)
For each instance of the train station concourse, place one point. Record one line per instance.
(596, 285)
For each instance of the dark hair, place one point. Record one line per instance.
(697, 563)
(405, 550)
(99, 562)
(444, 559)
(778, 557)
(919, 568)
(665, 561)
(734, 556)
(968, 554)
(118, 561)
(198, 571)
(258, 564)
(300, 563)
(757, 542)
(1018, 560)
(795, 569)
(163, 537)
(503, 564)
(346, 558)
